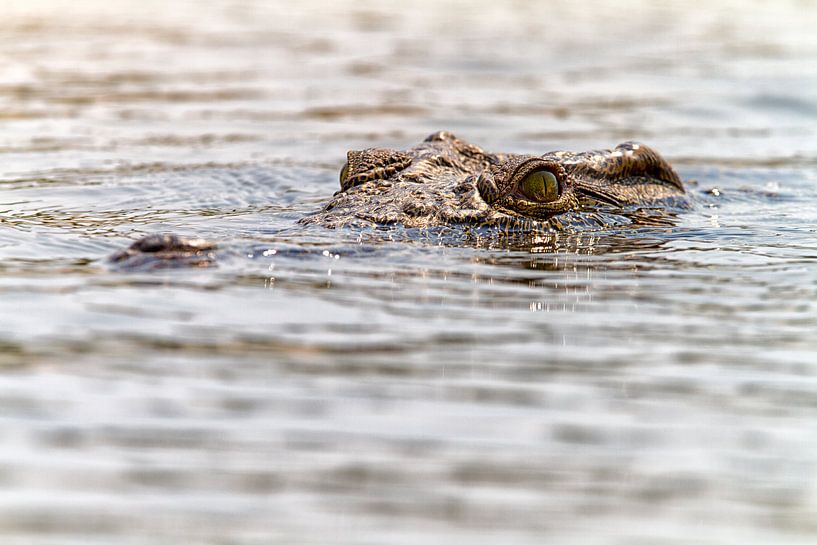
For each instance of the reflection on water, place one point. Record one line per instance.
(649, 383)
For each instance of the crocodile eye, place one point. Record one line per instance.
(344, 173)
(541, 186)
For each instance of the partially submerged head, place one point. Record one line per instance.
(445, 181)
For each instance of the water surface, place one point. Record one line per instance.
(650, 385)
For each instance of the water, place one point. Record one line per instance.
(632, 387)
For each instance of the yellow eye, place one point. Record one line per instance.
(344, 172)
(541, 186)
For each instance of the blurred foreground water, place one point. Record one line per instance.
(632, 387)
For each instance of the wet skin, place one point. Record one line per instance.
(445, 181)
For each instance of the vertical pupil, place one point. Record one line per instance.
(550, 185)
(541, 186)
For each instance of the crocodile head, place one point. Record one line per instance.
(447, 181)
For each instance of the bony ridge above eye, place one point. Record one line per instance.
(541, 186)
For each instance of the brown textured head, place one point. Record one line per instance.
(371, 164)
(445, 181)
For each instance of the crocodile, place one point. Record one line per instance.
(446, 181)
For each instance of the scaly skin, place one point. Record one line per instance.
(447, 181)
